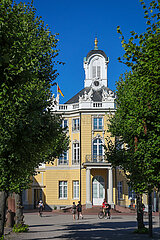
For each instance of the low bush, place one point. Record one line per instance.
(142, 231)
(20, 228)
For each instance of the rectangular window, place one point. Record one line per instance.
(131, 194)
(98, 71)
(65, 123)
(95, 195)
(63, 160)
(120, 190)
(98, 123)
(63, 189)
(75, 124)
(94, 71)
(75, 158)
(75, 189)
(101, 191)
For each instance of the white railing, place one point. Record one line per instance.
(96, 158)
(75, 106)
(97, 104)
(63, 107)
(84, 105)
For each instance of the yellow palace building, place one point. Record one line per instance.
(83, 173)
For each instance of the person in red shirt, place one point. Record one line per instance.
(104, 204)
(106, 208)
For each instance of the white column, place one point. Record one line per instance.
(110, 187)
(88, 188)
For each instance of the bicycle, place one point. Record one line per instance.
(104, 214)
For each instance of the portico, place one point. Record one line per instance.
(98, 189)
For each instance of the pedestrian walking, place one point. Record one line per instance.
(74, 210)
(40, 208)
(79, 210)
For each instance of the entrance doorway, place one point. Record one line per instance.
(37, 197)
(98, 187)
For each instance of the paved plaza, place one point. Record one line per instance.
(61, 226)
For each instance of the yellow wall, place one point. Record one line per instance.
(55, 173)
(52, 186)
(86, 131)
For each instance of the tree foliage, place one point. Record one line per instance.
(29, 132)
(136, 121)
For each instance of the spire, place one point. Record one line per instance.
(95, 41)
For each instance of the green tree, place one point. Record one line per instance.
(136, 121)
(29, 132)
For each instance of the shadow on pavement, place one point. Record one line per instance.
(41, 225)
(100, 231)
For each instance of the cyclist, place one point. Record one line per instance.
(106, 208)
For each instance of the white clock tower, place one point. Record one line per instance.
(95, 66)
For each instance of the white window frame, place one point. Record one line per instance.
(95, 128)
(62, 160)
(98, 144)
(96, 71)
(75, 124)
(63, 121)
(120, 190)
(63, 185)
(75, 153)
(75, 189)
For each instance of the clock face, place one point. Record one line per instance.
(96, 83)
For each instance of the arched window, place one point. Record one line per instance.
(97, 150)
(96, 68)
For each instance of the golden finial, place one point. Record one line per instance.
(95, 41)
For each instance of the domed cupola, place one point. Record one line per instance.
(95, 66)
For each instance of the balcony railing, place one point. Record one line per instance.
(95, 158)
(97, 104)
(84, 105)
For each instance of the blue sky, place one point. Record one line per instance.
(77, 23)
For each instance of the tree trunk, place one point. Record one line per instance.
(19, 209)
(3, 197)
(150, 213)
(159, 204)
(140, 212)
